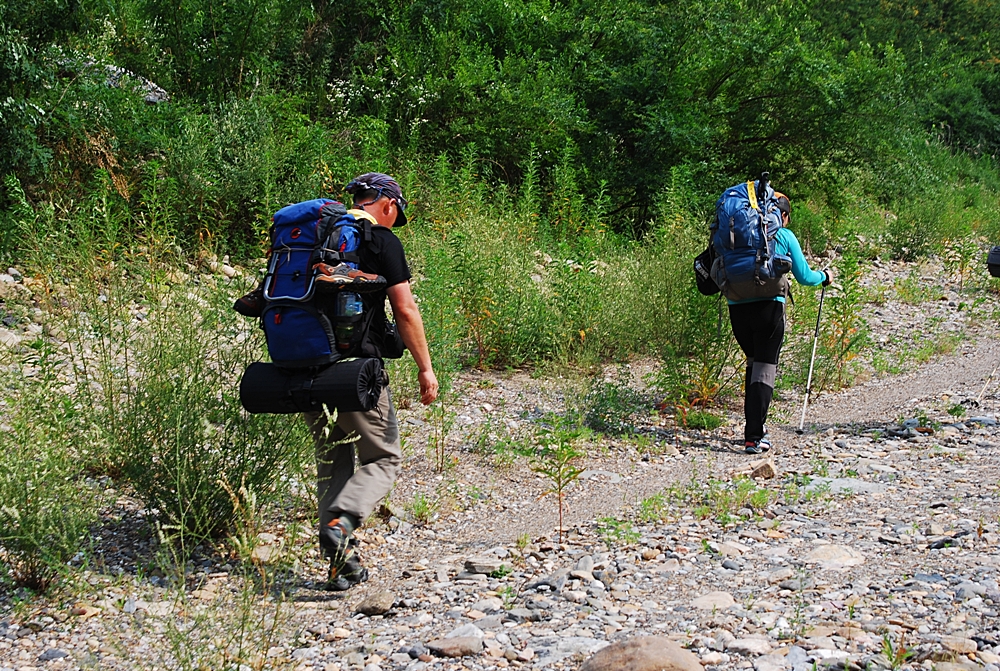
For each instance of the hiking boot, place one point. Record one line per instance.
(342, 274)
(764, 443)
(752, 447)
(250, 305)
(342, 578)
(335, 541)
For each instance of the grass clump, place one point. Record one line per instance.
(700, 419)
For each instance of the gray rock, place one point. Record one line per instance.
(457, 646)
(770, 663)
(714, 601)
(797, 584)
(643, 653)
(752, 645)
(52, 653)
(354, 658)
(301, 654)
(796, 656)
(968, 590)
(524, 615)
(485, 564)
(466, 630)
(377, 604)
(835, 556)
(556, 581)
(731, 564)
(551, 649)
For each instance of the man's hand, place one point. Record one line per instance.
(829, 277)
(428, 387)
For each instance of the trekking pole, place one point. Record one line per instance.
(812, 360)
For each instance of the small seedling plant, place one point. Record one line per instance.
(557, 463)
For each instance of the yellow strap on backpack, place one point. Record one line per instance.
(752, 192)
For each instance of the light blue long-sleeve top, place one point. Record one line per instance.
(786, 243)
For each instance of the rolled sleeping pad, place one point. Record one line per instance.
(350, 385)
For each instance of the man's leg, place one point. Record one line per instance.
(376, 434)
(334, 461)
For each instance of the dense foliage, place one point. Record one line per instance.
(625, 92)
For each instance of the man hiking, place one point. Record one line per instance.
(759, 328)
(347, 496)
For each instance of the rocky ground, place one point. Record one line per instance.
(871, 540)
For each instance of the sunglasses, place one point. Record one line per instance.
(379, 192)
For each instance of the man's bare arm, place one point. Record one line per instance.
(411, 328)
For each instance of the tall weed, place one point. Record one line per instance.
(47, 500)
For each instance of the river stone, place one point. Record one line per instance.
(643, 653)
(962, 646)
(485, 564)
(780, 575)
(377, 604)
(552, 649)
(457, 646)
(9, 338)
(835, 556)
(714, 601)
(763, 469)
(52, 653)
(751, 645)
(770, 663)
(466, 631)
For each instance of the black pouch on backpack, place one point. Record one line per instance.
(350, 385)
(702, 272)
(993, 261)
(392, 343)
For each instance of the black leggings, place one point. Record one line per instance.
(759, 328)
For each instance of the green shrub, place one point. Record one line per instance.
(610, 406)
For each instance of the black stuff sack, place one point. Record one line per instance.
(702, 272)
(993, 261)
(350, 385)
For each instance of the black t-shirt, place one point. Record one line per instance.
(383, 255)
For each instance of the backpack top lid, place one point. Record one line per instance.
(298, 225)
(739, 215)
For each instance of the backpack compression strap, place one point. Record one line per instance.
(752, 193)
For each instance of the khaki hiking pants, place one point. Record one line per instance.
(375, 437)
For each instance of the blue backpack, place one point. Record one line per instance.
(299, 333)
(746, 266)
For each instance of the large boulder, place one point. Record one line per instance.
(643, 653)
